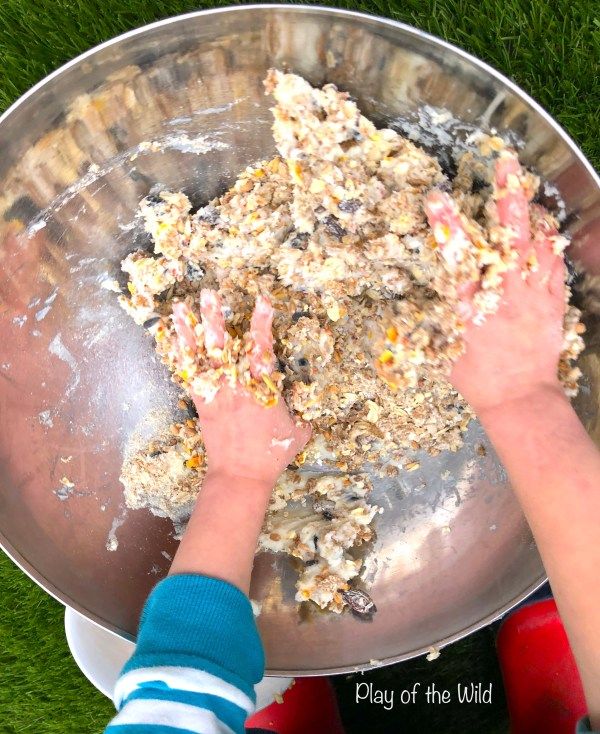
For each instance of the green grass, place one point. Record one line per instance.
(551, 48)
(41, 688)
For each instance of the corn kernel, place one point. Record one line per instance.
(295, 170)
(269, 383)
(441, 233)
(386, 357)
(392, 334)
(317, 186)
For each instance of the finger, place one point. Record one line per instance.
(548, 246)
(184, 321)
(465, 308)
(444, 219)
(213, 322)
(261, 356)
(558, 277)
(511, 201)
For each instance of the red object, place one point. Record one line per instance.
(309, 707)
(542, 684)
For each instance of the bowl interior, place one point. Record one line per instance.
(181, 105)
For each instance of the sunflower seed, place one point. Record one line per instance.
(208, 214)
(194, 272)
(300, 241)
(324, 507)
(333, 226)
(349, 206)
(359, 601)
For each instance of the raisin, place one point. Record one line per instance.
(297, 315)
(149, 323)
(477, 185)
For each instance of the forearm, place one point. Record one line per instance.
(555, 471)
(222, 533)
(198, 653)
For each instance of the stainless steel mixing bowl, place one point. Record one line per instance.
(181, 103)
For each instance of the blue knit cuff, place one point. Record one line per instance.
(204, 623)
(584, 726)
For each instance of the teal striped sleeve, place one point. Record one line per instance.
(197, 659)
(584, 726)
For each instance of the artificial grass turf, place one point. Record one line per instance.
(42, 690)
(550, 48)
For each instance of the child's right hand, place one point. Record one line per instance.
(243, 439)
(247, 444)
(515, 352)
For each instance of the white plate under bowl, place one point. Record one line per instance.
(100, 655)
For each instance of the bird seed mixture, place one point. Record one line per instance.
(333, 231)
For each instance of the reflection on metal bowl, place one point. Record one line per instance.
(181, 103)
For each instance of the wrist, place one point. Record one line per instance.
(536, 399)
(238, 482)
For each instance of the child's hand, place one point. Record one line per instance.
(243, 439)
(515, 352)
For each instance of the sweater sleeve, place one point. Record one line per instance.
(584, 726)
(197, 658)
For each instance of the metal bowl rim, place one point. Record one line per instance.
(63, 598)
